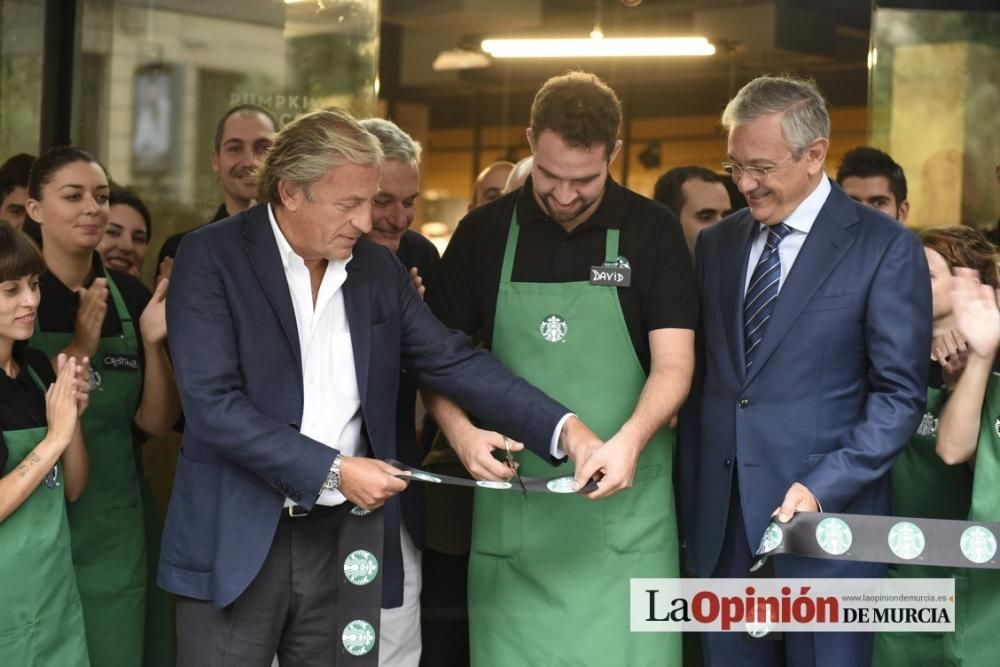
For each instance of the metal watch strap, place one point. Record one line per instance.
(332, 482)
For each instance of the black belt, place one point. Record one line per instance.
(317, 511)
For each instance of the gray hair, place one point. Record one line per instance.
(312, 145)
(804, 115)
(396, 144)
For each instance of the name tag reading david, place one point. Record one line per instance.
(614, 275)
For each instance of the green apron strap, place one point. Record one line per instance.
(508, 254)
(611, 246)
(128, 328)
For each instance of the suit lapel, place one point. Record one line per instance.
(357, 304)
(827, 242)
(262, 250)
(732, 279)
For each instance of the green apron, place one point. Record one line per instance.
(974, 642)
(924, 486)
(41, 623)
(106, 523)
(549, 575)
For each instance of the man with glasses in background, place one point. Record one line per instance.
(812, 362)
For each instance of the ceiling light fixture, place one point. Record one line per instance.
(599, 47)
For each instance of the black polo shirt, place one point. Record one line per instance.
(169, 248)
(22, 403)
(662, 294)
(59, 305)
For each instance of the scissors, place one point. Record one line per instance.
(513, 466)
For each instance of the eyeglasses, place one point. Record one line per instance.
(513, 466)
(736, 170)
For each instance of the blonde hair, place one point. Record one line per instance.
(310, 146)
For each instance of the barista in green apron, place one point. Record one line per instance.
(924, 486)
(969, 431)
(87, 311)
(41, 622)
(109, 548)
(524, 583)
(549, 574)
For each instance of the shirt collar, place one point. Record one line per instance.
(609, 212)
(803, 217)
(286, 251)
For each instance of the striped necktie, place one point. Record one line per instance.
(758, 304)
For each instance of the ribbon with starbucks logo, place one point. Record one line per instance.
(562, 484)
(883, 539)
(359, 591)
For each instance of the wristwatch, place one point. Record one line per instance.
(332, 482)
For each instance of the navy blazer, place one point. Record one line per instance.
(835, 392)
(235, 346)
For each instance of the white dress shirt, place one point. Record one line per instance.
(801, 221)
(331, 408)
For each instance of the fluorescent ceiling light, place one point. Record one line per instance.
(620, 47)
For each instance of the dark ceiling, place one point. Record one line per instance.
(824, 39)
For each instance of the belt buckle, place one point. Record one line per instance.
(296, 515)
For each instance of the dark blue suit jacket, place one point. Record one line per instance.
(835, 392)
(235, 345)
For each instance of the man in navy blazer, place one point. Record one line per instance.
(288, 332)
(812, 361)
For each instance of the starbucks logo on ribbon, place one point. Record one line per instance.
(553, 329)
(771, 540)
(928, 425)
(487, 484)
(834, 536)
(425, 477)
(906, 540)
(358, 637)
(561, 485)
(361, 567)
(978, 544)
(360, 511)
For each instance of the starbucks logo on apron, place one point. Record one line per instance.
(52, 478)
(996, 427)
(360, 511)
(928, 425)
(834, 536)
(95, 379)
(561, 485)
(487, 484)
(425, 477)
(771, 540)
(906, 540)
(553, 329)
(361, 567)
(978, 544)
(358, 637)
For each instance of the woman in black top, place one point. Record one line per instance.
(41, 450)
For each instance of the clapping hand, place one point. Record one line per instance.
(153, 321)
(90, 317)
(977, 318)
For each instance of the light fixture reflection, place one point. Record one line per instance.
(608, 47)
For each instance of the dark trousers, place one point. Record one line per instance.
(796, 649)
(289, 610)
(444, 610)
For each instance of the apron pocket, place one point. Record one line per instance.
(497, 524)
(18, 646)
(191, 517)
(641, 519)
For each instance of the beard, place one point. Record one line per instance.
(565, 215)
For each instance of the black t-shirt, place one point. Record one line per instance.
(22, 402)
(59, 305)
(415, 250)
(662, 294)
(169, 248)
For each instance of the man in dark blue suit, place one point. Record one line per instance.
(288, 332)
(812, 361)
